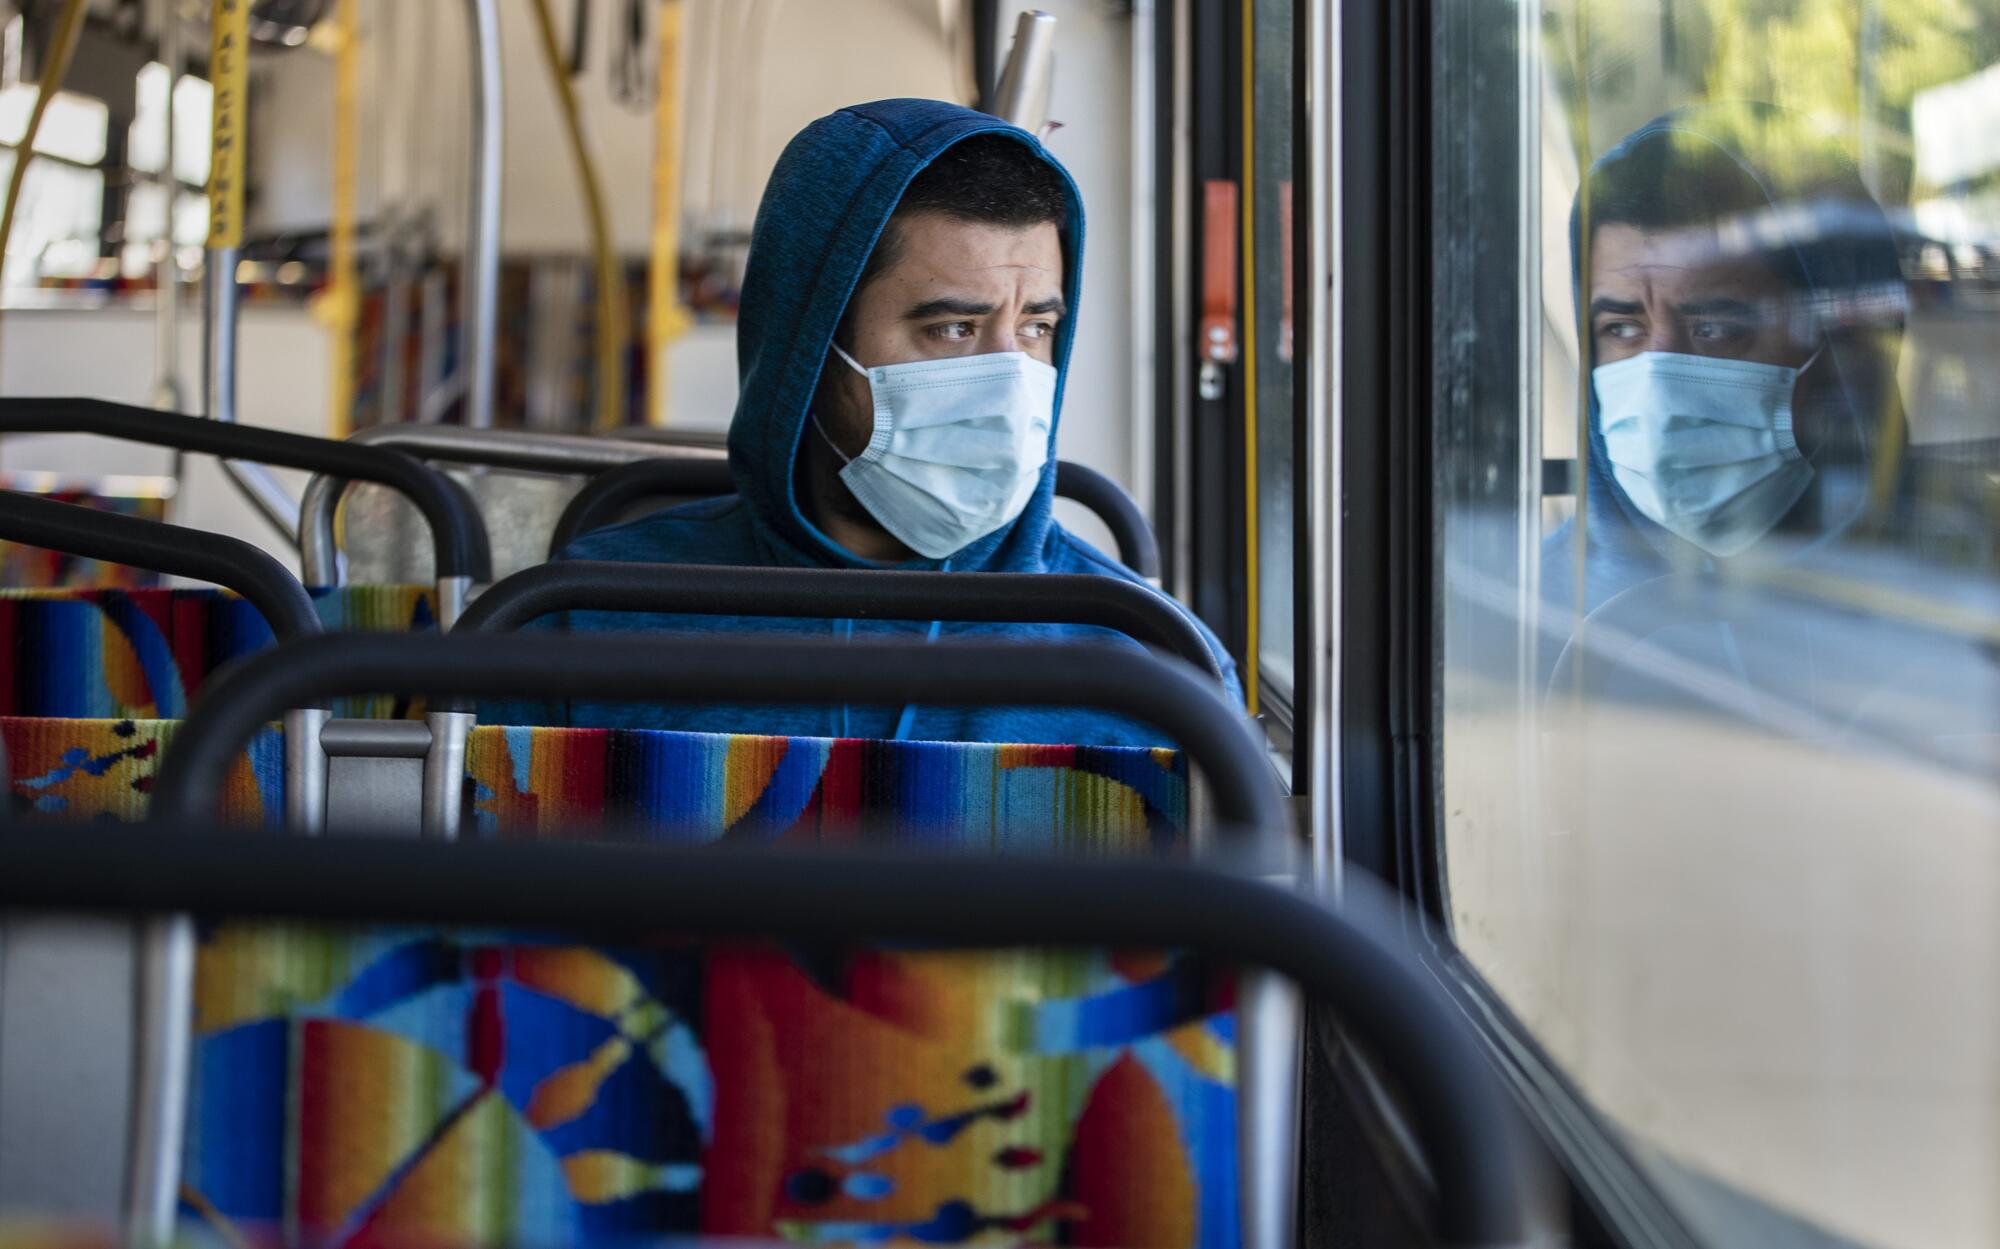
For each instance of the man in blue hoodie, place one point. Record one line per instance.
(906, 322)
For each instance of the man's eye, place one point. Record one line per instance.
(954, 331)
(1719, 331)
(1622, 331)
(1038, 329)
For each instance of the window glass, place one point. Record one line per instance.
(148, 134)
(73, 126)
(1718, 508)
(1271, 351)
(56, 226)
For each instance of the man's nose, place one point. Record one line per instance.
(1669, 333)
(998, 335)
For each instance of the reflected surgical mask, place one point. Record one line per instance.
(958, 448)
(1703, 447)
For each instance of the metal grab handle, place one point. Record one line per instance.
(606, 494)
(228, 562)
(456, 529)
(841, 593)
(1138, 546)
(1352, 959)
(610, 492)
(497, 448)
(676, 668)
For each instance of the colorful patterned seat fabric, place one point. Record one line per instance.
(706, 787)
(353, 1086)
(74, 770)
(144, 653)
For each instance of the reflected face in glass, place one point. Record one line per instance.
(1647, 296)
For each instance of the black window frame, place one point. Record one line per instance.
(1398, 292)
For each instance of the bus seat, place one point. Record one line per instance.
(702, 786)
(579, 1095)
(143, 653)
(670, 786)
(102, 769)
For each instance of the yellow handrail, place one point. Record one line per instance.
(665, 318)
(339, 305)
(613, 331)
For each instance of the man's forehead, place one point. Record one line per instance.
(933, 246)
(1685, 258)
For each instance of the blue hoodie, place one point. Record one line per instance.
(829, 197)
(1656, 620)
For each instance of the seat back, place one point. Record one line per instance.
(75, 770)
(144, 653)
(438, 1083)
(699, 787)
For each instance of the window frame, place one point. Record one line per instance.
(1367, 415)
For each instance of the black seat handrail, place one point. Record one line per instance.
(841, 594)
(604, 496)
(160, 547)
(1349, 959)
(719, 669)
(457, 532)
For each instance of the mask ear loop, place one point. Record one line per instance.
(852, 363)
(845, 459)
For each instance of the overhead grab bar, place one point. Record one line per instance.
(675, 668)
(457, 533)
(841, 593)
(610, 492)
(1352, 959)
(496, 448)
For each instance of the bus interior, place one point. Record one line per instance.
(1452, 698)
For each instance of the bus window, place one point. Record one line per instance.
(1268, 353)
(1718, 507)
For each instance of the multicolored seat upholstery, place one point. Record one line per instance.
(480, 1087)
(80, 770)
(703, 787)
(144, 653)
(36, 566)
(502, 1087)
(683, 787)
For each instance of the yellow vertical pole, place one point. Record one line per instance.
(1252, 574)
(665, 318)
(339, 306)
(229, 74)
(613, 332)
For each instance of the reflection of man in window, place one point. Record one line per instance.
(1742, 311)
(1742, 308)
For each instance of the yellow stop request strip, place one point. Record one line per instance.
(229, 71)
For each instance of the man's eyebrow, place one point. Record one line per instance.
(1724, 306)
(949, 306)
(1052, 306)
(1620, 307)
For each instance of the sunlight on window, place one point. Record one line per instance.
(56, 227)
(73, 128)
(193, 98)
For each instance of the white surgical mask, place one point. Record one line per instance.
(958, 448)
(1701, 446)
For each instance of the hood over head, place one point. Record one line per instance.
(1784, 193)
(829, 197)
